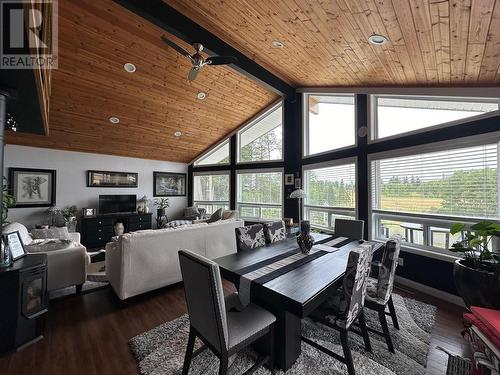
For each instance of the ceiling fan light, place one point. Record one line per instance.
(377, 39)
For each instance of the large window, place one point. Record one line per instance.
(211, 190)
(262, 139)
(329, 123)
(418, 196)
(219, 155)
(331, 193)
(260, 194)
(394, 115)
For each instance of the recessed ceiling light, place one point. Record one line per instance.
(278, 43)
(178, 133)
(201, 95)
(114, 120)
(377, 39)
(129, 67)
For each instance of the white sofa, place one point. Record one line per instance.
(145, 260)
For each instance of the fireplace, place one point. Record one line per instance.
(34, 296)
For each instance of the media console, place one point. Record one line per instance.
(98, 231)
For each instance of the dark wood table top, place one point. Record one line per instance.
(299, 291)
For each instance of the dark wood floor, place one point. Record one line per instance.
(88, 334)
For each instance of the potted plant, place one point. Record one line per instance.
(69, 213)
(8, 200)
(477, 274)
(161, 205)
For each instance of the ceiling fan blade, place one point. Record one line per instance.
(179, 49)
(193, 73)
(221, 60)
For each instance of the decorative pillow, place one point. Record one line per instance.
(177, 223)
(216, 216)
(275, 231)
(250, 237)
(47, 245)
(230, 214)
(54, 232)
(191, 211)
(18, 227)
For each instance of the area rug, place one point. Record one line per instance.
(160, 351)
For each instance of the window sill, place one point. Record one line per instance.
(427, 253)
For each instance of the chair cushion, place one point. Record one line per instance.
(53, 232)
(216, 216)
(250, 237)
(275, 231)
(244, 324)
(18, 227)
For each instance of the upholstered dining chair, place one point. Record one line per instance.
(379, 290)
(349, 228)
(250, 237)
(275, 231)
(346, 306)
(212, 319)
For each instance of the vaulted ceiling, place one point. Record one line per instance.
(96, 38)
(431, 42)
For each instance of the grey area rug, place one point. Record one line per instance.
(160, 351)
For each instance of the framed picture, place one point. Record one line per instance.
(298, 183)
(33, 187)
(289, 179)
(166, 184)
(89, 212)
(16, 247)
(112, 179)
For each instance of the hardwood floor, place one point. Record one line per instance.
(88, 334)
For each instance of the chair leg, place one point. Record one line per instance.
(223, 365)
(271, 349)
(364, 331)
(385, 329)
(347, 352)
(79, 288)
(392, 310)
(189, 352)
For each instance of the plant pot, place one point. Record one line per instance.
(477, 287)
(160, 212)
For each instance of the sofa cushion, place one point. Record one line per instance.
(216, 216)
(46, 245)
(53, 232)
(18, 227)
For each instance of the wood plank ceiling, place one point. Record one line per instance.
(95, 39)
(431, 42)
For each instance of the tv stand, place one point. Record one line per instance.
(97, 231)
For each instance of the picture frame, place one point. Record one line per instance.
(16, 246)
(112, 179)
(169, 184)
(33, 187)
(289, 179)
(298, 183)
(89, 212)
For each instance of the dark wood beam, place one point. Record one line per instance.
(175, 23)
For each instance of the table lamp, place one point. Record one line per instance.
(298, 194)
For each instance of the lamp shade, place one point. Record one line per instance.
(299, 193)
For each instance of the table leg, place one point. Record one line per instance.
(287, 339)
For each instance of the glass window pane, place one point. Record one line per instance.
(260, 194)
(410, 232)
(219, 155)
(422, 112)
(263, 140)
(211, 188)
(330, 123)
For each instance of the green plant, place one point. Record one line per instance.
(8, 200)
(475, 245)
(69, 212)
(162, 203)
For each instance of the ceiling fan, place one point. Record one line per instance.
(197, 59)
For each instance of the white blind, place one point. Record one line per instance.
(331, 186)
(457, 182)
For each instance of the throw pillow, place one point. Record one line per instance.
(216, 216)
(275, 231)
(191, 211)
(54, 232)
(230, 214)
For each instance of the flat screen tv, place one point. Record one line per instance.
(112, 204)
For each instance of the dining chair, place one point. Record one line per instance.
(379, 289)
(213, 319)
(250, 237)
(353, 229)
(275, 231)
(346, 306)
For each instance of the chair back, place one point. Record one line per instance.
(250, 237)
(349, 228)
(355, 280)
(205, 298)
(275, 231)
(387, 270)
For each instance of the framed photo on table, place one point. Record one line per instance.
(16, 247)
(167, 184)
(33, 187)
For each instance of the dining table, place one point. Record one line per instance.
(289, 283)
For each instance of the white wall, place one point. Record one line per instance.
(71, 185)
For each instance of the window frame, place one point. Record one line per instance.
(373, 118)
(213, 173)
(213, 149)
(305, 123)
(264, 170)
(331, 210)
(252, 122)
(430, 219)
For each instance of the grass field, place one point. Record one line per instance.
(412, 203)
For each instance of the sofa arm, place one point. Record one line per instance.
(67, 267)
(75, 237)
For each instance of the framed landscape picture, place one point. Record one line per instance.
(33, 187)
(112, 179)
(166, 184)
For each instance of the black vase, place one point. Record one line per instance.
(305, 240)
(160, 212)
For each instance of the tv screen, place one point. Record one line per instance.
(111, 204)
